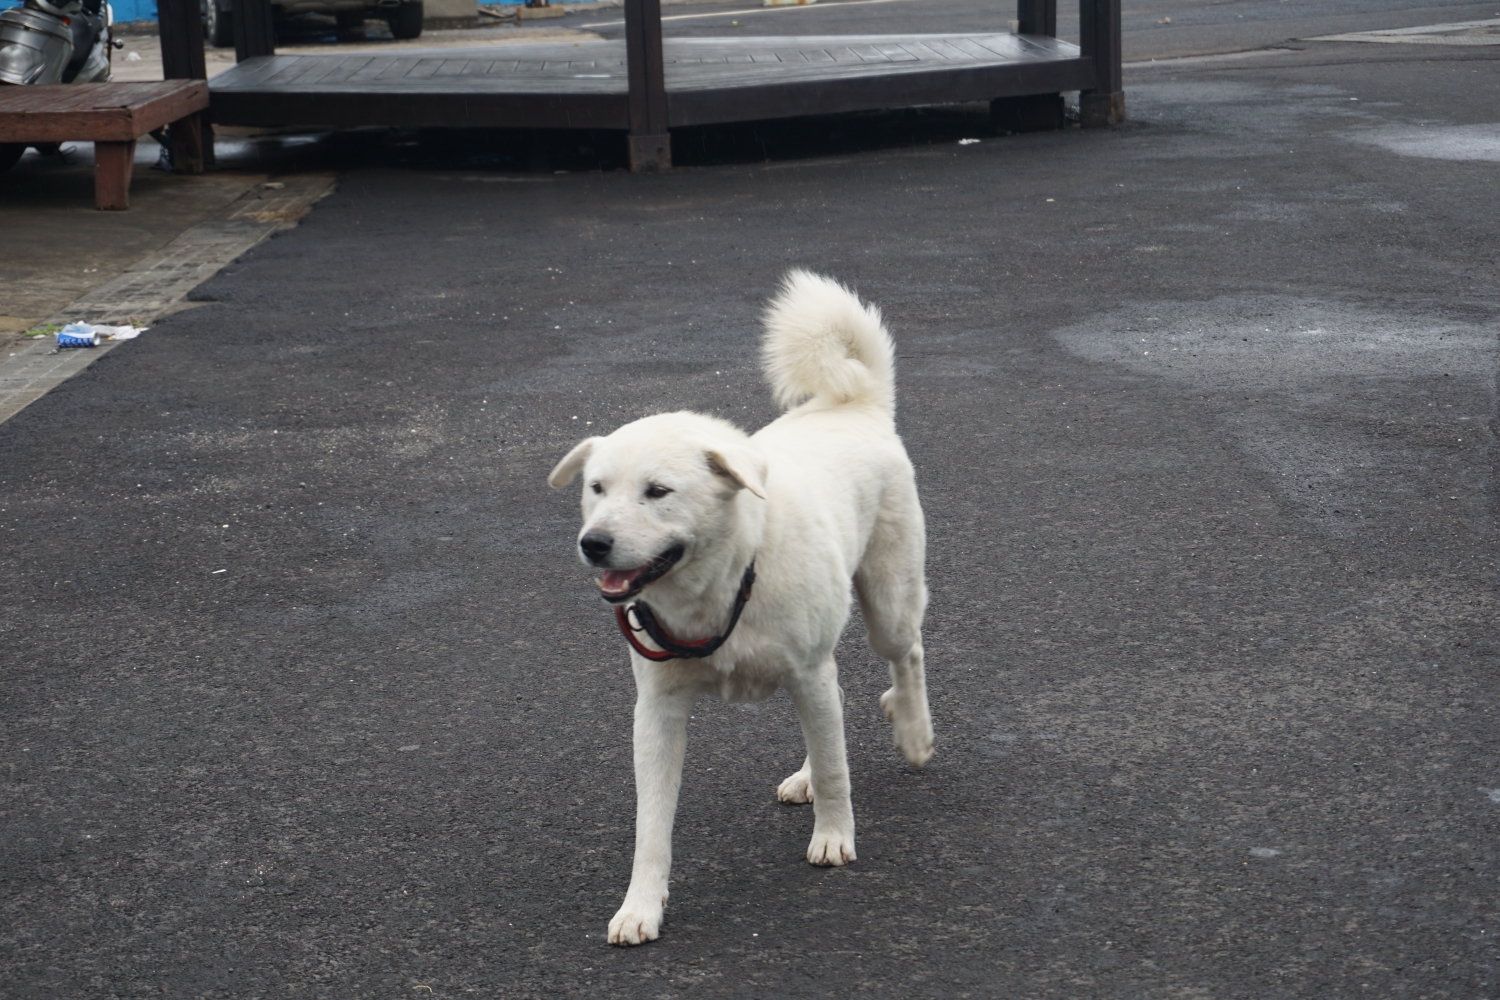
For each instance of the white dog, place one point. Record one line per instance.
(683, 513)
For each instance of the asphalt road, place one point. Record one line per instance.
(1150, 29)
(305, 694)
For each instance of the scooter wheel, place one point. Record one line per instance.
(406, 21)
(218, 24)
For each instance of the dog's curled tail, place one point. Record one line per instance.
(821, 343)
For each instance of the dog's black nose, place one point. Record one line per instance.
(596, 546)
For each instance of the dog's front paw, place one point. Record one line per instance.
(912, 729)
(635, 924)
(831, 849)
(797, 788)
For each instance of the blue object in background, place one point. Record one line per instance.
(125, 10)
(134, 10)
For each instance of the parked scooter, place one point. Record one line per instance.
(53, 41)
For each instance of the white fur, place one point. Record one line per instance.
(839, 508)
(822, 344)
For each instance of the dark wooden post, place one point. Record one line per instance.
(181, 29)
(1034, 112)
(1037, 17)
(650, 143)
(253, 33)
(180, 25)
(1100, 36)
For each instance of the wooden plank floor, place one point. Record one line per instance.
(583, 85)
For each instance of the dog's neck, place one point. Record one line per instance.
(695, 600)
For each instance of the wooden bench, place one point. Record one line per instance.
(112, 116)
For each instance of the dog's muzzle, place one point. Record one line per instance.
(616, 585)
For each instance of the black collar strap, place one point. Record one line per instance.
(676, 648)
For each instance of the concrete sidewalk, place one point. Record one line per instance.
(150, 287)
(307, 696)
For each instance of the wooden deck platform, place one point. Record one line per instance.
(586, 85)
(647, 84)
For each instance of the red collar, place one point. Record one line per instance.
(677, 648)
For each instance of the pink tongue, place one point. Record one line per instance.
(617, 581)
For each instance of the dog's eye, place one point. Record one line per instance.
(598, 488)
(657, 492)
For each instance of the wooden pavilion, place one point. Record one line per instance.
(646, 85)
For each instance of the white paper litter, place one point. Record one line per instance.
(121, 332)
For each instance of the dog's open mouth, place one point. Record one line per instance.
(616, 585)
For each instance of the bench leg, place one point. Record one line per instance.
(186, 137)
(113, 162)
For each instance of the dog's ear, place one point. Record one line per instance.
(562, 474)
(745, 468)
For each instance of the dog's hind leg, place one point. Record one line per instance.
(661, 718)
(820, 708)
(893, 598)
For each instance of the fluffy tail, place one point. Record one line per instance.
(821, 343)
